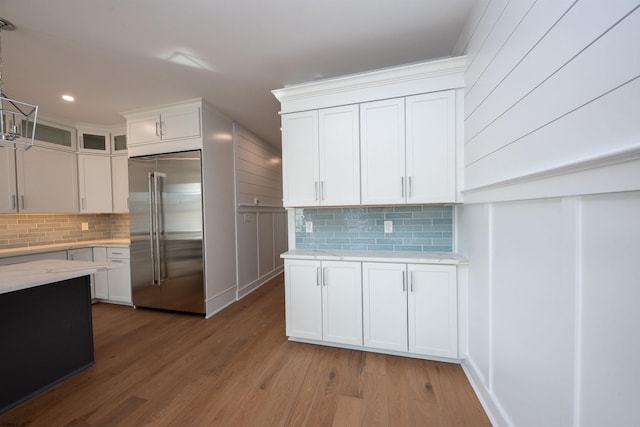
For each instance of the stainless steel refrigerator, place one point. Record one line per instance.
(165, 205)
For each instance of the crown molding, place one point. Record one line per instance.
(420, 77)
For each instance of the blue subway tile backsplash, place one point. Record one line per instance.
(415, 228)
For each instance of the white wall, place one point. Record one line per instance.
(260, 228)
(550, 220)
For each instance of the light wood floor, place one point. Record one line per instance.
(238, 369)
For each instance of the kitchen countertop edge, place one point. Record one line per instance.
(25, 275)
(29, 250)
(445, 258)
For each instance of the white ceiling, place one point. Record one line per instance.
(118, 55)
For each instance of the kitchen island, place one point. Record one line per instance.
(46, 330)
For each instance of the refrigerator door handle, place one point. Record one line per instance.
(151, 193)
(156, 214)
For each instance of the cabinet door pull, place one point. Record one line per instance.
(22, 201)
(157, 128)
(324, 276)
(404, 281)
(402, 186)
(161, 128)
(82, 202)
(321, 190)
(315, 186)
(317, 276)
(13, 202)
(411, 282)
(410, 186)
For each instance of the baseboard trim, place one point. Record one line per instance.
(247, 289)
(491, 407)
(220, 301)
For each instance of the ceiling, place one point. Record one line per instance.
(119, 55)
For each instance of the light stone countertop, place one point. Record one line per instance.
(26, 275)
(28, 250)
(446, 258)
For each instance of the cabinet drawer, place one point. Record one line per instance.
(118, 253)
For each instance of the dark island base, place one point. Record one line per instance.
(46, 336)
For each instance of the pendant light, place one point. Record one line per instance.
(18, 119)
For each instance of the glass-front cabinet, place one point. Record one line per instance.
(119, 141)
(94, 140)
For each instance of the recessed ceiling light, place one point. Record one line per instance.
(68, 98)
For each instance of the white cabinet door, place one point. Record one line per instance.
(180, 122)
(300, 163)
(120, 183)
(177, 122)
(342, 302)
(120, 281)
(339, 144)
(382, 145)
(143, 129)
(384, 305)
(430, 148)
(47, 180)
(303, 299)
(94, 179)
(101, 279)
(8, 189)
(433, 310)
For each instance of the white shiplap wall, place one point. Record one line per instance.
(258, 171)
(260, 227)
(552, 197)
(551, 87)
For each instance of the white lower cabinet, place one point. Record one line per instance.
(113, 285)
(397, 307)
(411, 307)
(324, 300)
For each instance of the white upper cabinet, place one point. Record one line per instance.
(431, 149)
(382, 148)
(339, 156)
(321, 157)
(93, 140)
(300, 163)
(47, 180)
(119, 141)
(120, 183)
(8, 188)
(94, 183)
(408, 150)
(407, 117)
(171, 123)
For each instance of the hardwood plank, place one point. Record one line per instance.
(160, 368)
